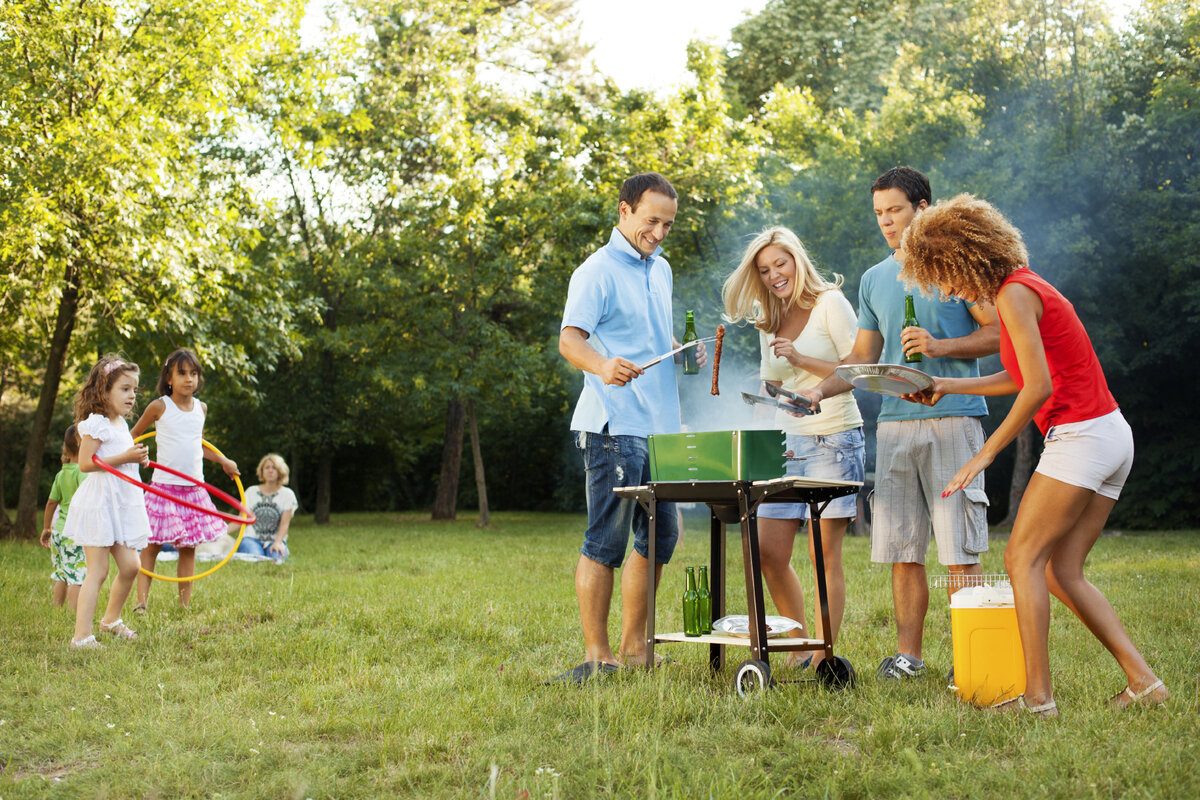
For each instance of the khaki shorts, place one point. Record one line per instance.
(915, 460)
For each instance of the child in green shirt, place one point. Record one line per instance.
(70, 568)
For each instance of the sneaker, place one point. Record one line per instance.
(899, 667)
(950, 679)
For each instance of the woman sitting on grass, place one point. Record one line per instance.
(967, 248)
(273, 505)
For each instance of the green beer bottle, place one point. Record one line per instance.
(690, 367)
(910, 321)
(705, 606)
(691, 605)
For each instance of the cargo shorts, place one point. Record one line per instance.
(915, 459)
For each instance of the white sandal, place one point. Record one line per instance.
(1045, 710)
(119, 629)
(1137, 697)
(89, 643)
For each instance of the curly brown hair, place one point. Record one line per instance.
(964, 244)
(93, 395)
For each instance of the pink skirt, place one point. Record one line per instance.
(172, 523)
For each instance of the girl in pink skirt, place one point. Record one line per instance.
(178, 419)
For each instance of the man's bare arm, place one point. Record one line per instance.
(574, 347)
(984, 341)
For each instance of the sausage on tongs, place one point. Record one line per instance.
(716, 387)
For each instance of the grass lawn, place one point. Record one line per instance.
(395, 657)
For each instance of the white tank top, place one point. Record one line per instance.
(177, 438)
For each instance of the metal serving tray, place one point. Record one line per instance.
(717, 456)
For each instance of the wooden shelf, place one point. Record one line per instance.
(779, 643)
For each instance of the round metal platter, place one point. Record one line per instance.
(890, 379)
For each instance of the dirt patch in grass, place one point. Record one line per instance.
(50, 771)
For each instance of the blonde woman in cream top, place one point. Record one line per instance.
(806, 326)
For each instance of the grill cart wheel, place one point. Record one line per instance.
(753, 676)
(835, 673)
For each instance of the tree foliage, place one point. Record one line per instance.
(370, 235)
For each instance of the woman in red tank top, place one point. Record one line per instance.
(965, 247)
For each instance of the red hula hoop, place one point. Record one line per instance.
(247, 519)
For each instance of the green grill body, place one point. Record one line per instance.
(717, 456)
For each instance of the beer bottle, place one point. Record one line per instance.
(910, 321)
(691, 605)
(705, 605)
(690, 367)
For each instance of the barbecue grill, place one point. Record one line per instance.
(736, 500)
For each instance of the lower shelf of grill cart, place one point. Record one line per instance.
(780, 643)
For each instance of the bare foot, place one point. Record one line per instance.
(639, 659)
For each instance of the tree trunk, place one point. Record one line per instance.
(6, 526)
(480, 480)
(1022, 472)
(64, 324)
(324, 486)
(445, 506)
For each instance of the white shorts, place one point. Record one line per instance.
(1095, 454)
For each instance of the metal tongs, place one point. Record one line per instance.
(798, 409)
(679, 349)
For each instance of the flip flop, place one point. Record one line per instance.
(581, 673)
(1137, 698)
(1018, 704)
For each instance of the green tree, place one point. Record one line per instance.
(109, 214)
(839, 50)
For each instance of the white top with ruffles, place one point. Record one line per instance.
(105, 509)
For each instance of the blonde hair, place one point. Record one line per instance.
(746, 296)
(280, 466)
(965, 243)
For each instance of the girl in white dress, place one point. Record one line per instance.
(107, 515)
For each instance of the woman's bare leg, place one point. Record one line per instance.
(1065, 578)
(775, 540)
(1049, 511)
(833, 531)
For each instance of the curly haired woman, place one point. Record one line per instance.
(965, 247)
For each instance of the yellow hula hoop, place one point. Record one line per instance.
(241, 532)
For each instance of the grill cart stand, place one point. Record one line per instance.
(737, 502)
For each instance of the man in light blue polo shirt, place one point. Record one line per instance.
(617, 316)
(919, 448)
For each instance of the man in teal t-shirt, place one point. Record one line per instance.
(919, 448)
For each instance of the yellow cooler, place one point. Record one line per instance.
(989, 663)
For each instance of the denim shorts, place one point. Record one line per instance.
(609, 462)
(837, 456)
